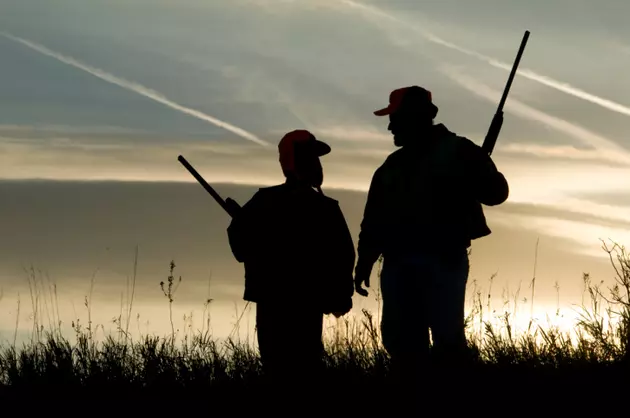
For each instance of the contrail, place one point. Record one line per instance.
(576, 131)
(137, 88)
(531, 75)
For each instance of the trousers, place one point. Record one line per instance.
(424, 293)
(290, 342)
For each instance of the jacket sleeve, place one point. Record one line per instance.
(343, 254)
(489, 184)
(370, 241)
(242, 229)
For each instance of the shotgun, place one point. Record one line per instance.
(497, 120)
(229, 205)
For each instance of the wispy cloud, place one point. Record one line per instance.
(349, 133)
(529, 74)
(136, 88)
(554, 212)
(584, 234)
(582, 134)
(119, 159)
(564, 152)
(29, 130)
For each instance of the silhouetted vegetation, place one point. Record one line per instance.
(221, 376)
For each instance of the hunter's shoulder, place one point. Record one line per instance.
(395, 154)
(266, 194)
(392, 158)
(467, 143)
(286, 192)
(460, 143)
(278, 188)
(467, 147)
(321, 202)
(327, 200)
(445, 134)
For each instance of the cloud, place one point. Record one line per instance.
(68, 129)
(118, 158)
(564, 152)
(563, 200)
(585, 234)
(137, 88)
(529, 74)
(584, 135)
(555, 212)
(352, 133)
(348, 133)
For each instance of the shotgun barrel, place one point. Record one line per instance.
(229, 205)
(497, 121)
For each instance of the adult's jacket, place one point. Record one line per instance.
(427, 196)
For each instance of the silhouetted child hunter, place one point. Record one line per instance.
(299, 258)
(422, 212)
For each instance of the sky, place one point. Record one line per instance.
(97, 100)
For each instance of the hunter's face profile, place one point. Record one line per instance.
(309, 167)
(407, 125)
(411, 113)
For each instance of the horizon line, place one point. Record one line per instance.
(162, 181)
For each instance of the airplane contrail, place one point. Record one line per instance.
(576, 131)
(136, 88)
(531, 75)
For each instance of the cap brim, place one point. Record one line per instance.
(383, 112)
(321, 148)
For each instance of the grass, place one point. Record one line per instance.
(198, 371)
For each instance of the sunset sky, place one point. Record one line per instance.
(116, 90)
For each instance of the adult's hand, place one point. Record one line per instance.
(362, 276)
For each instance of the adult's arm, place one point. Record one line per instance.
(370, 243)
(488, 183)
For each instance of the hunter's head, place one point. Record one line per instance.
(299, 157)
(411, 112)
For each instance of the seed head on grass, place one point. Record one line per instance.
(169, 292)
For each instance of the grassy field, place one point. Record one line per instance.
(196, 372)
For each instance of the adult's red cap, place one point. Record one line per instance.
(304, 141)
(414, 98)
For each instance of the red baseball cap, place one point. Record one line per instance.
(305, 141)
(414, 97)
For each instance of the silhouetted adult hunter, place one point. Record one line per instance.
(299, 258)
(422, 212)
